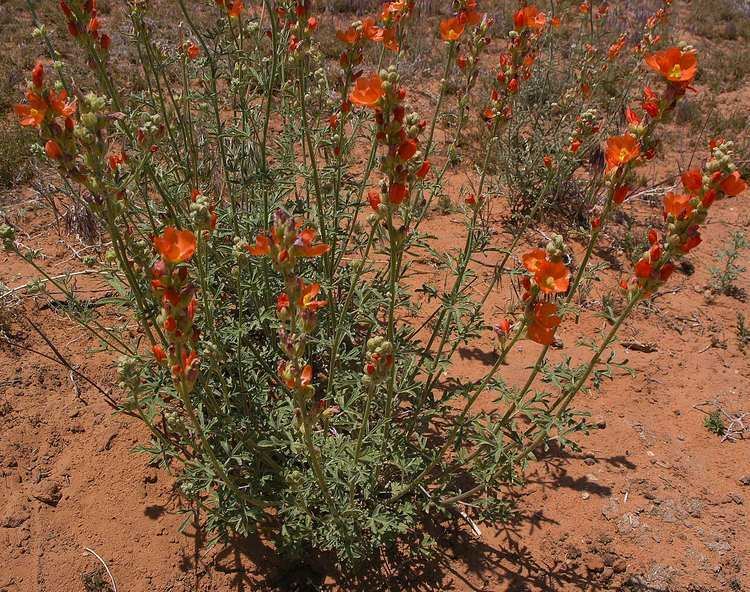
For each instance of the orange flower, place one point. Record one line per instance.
(397, 192)
(393, 11)
(350, 36)
(287, 375)
(261, 247)
(693, 240)
(471, 16)
(236, 8)
(424, 169)
(529, 17)
(451, 29)
(632, 117)
(620, 194)
(621, 150)
(116, 159)
(53, 150)
(733, 185)
(692, 181)
(677, 205)
(193, 51)
(503, 328)
(533, 259)
(407, 149)
(368, 91)
(371, 30)
(389, 39)
(543, 324)
(373, 197)
(34, 113)
(305, 246)
(189, 360)
(552, 277)
(307, 298)
(282, 305)
(615, 49)
(60, 104)
(37, 75)
(170, 324)
(175, 246)
(650, 102)
(677, 67)
(643, 269)
(159, 353)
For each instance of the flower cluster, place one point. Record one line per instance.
(287, 242)
(297, 306)
(296, 18)
(650, 38)
(233, 8)
(516, 63)
(202, 211)
(170, 282)
(402, 162)
(84, 24)
(466, 15)
(72, 132)
(547, 277)
(586, 126)
(52, 113)
(353, 39)
(625, 152)
(393, 16)
(468, 61)
(684, 213)
(378, 360)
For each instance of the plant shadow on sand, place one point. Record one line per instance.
(461, 561)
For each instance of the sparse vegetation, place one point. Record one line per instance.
(714, 423)
(743, 332)
(724, 277)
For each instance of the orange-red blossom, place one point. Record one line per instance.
(302, 245)
(621, 150)
(368, 91)
(35, 112)
(542, 322)
(175, 246)
(529, 17)
(552, 277)
(676, 66)
(451, 29)
(733, 184)
(291, 379)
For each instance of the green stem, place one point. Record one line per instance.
(562, 403)
(458, 423)
(441, 96)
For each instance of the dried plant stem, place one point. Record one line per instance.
(106, 567)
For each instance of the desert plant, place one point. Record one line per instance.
(265, 212)
(743, 332)
(723, 278)
(714, 423)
